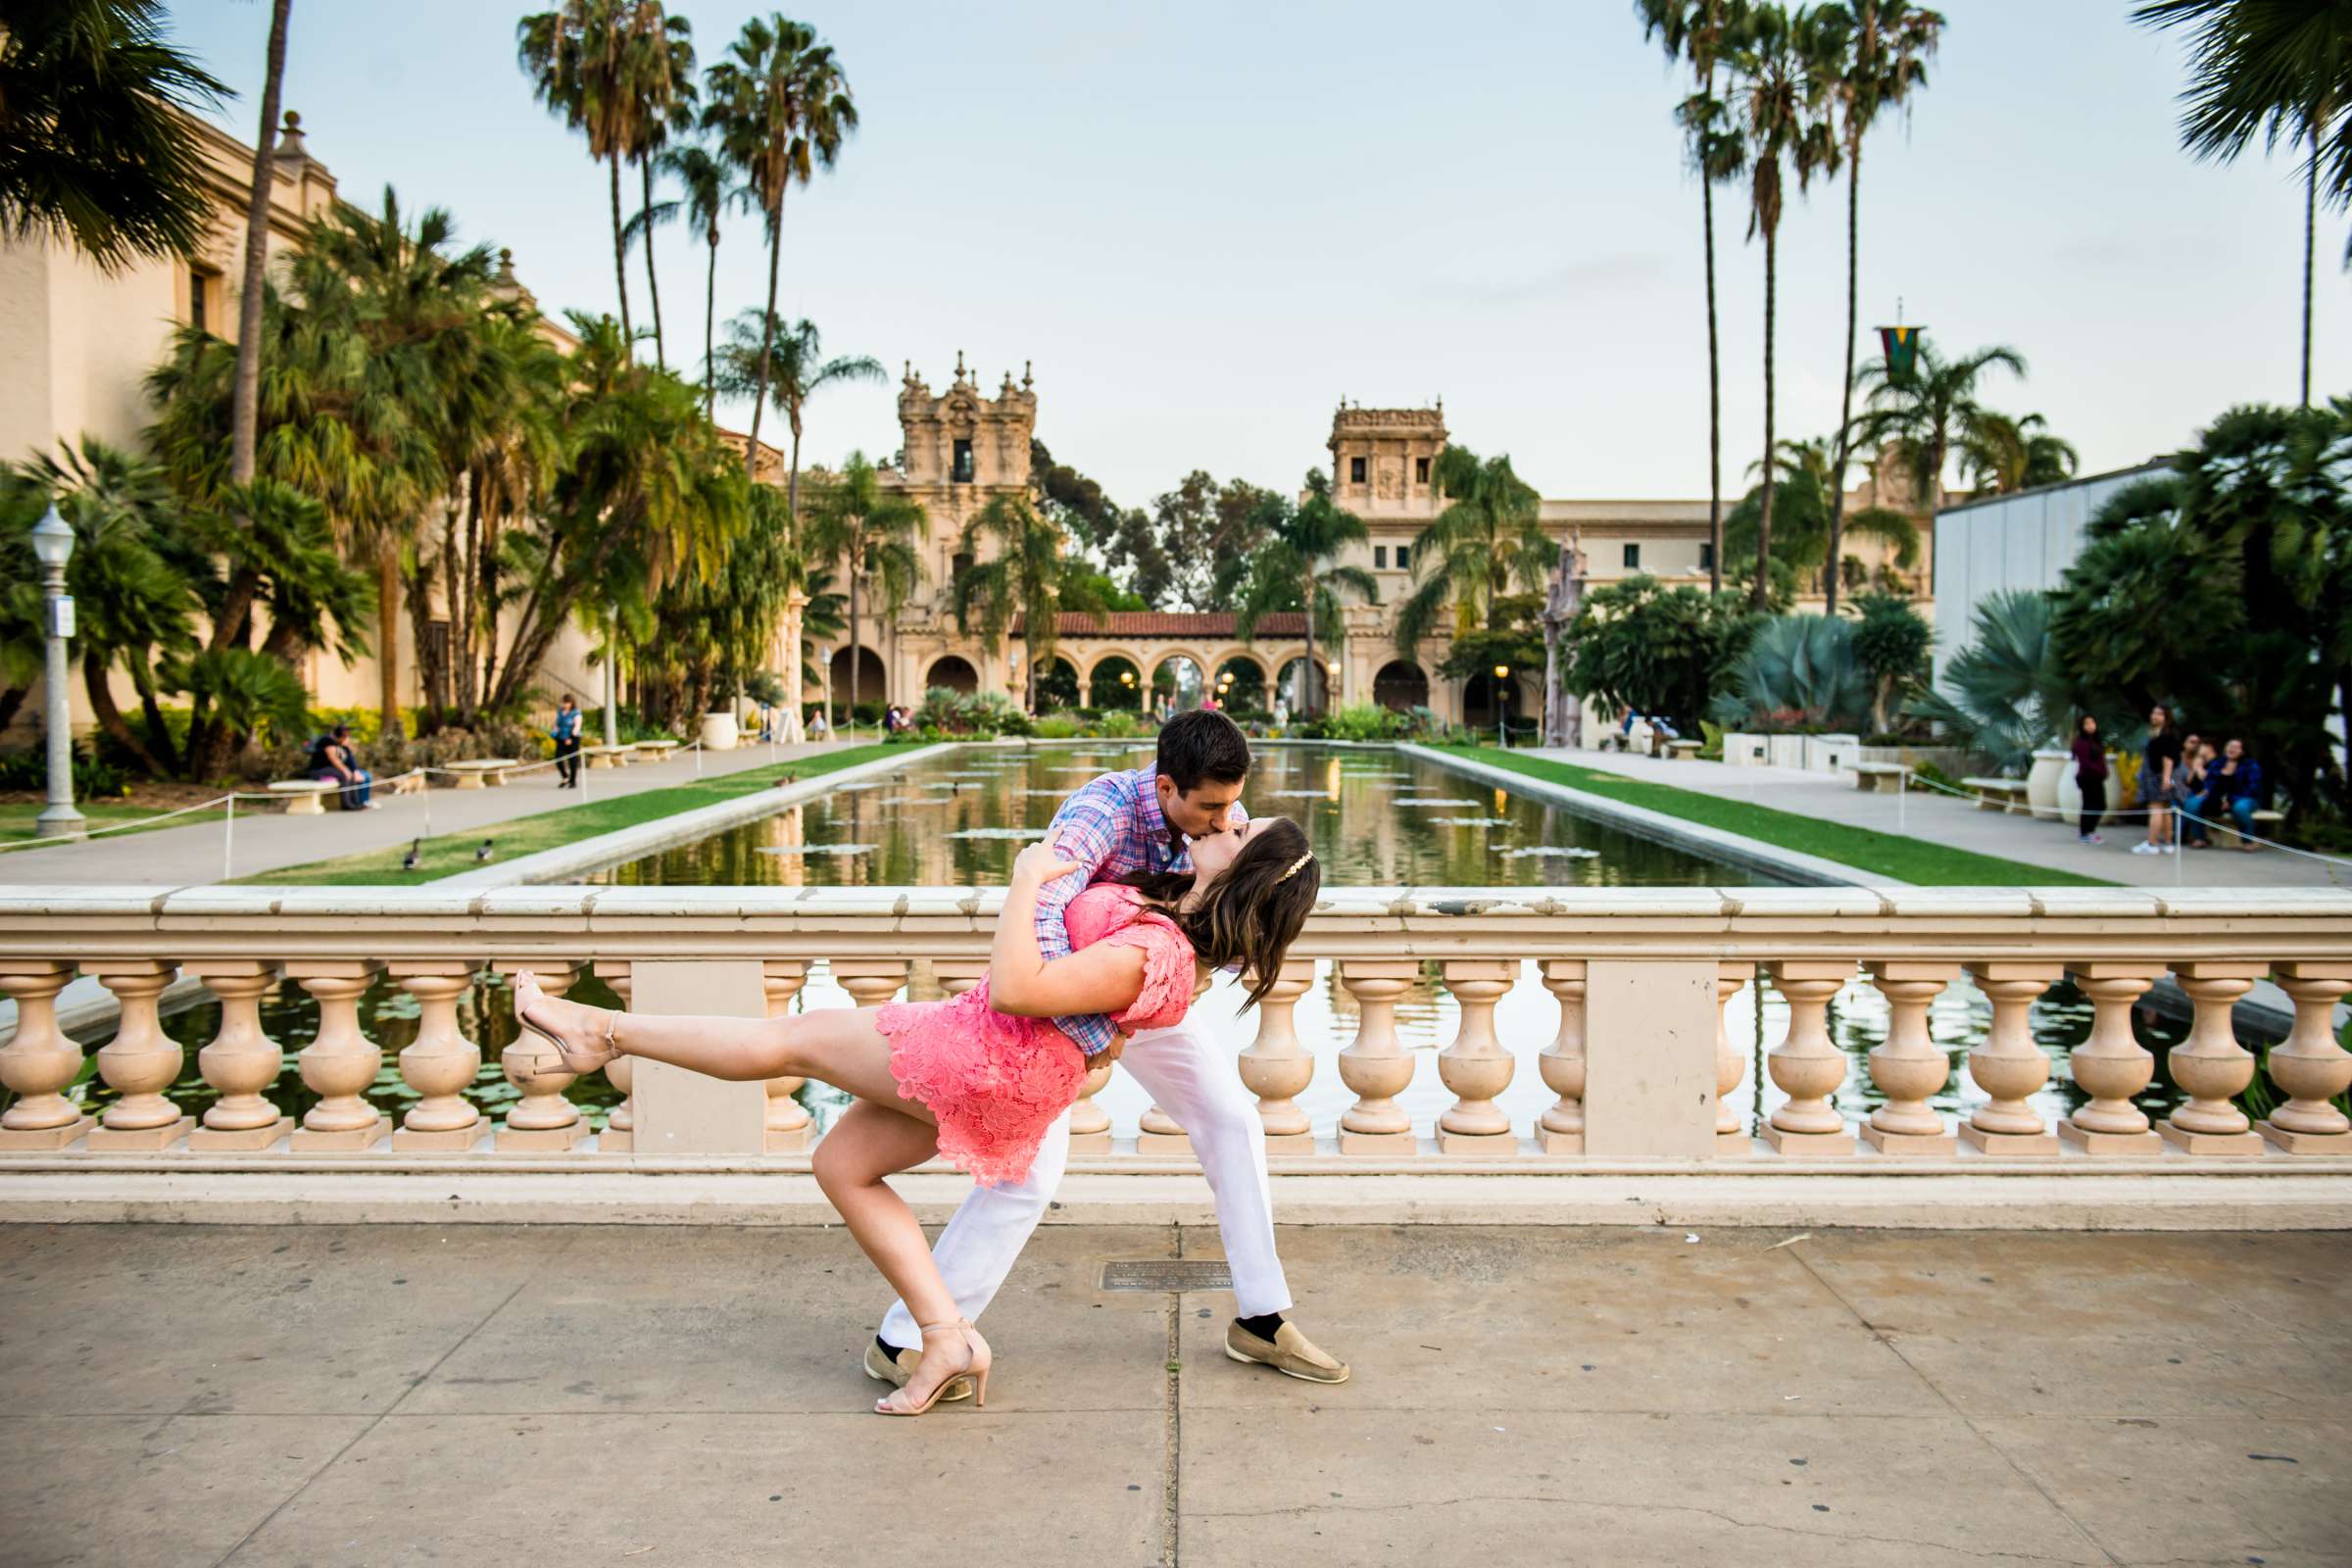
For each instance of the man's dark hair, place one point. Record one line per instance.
(1202, 744)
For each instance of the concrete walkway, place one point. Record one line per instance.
(266, 839)
(417, 1394)
(1961, 825)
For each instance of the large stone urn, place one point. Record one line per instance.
(2050, 769)
(720, 733)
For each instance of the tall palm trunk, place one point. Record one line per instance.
(1763, 594)
(244, 407)
(387, 636)
(792, 484)
(1706, 190)
(620, 259)
(1845, 396)
(767, 337)
(653, 284)
(2311, 208)
(710, 316)
(856, 668)
(1306, 675)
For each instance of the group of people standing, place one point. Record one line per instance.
(2185, 784)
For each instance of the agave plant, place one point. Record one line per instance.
(1803, 665)
(2008, 693)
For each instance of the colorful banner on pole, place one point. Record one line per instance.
(1900, 345)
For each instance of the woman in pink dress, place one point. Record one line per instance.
(979, 1079)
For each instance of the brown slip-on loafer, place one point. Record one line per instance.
(883, 1369)
(1290, 1353)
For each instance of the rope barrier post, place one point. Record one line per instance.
(229, 837)
(1902, 802)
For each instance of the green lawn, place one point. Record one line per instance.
(529, 835)
(1886, 854)
(16, 818)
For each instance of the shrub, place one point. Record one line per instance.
(1358, 721)
(94, 778)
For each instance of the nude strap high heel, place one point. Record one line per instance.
(526, 986)
(975, 1368)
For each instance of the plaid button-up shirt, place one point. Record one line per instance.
(1111, 826)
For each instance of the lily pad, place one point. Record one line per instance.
(1024, 833)
(1472, 821)
(797, 851)
(1562, 851)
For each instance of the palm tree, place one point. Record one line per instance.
(1780, 61)
(876, 533)
(1469, 556)
(1929, 412)
(1025, 579)
(1878, 66)
(781, 109)
(2279, 67)
(797, 370)
(1801, 535)
(1294, 569)
(1698, 31)
(98, 143)
(661, 80)
(256, 251)
(610, 68)
(704, 174)
(2001, 454)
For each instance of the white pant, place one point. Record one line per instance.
(1192, 1082)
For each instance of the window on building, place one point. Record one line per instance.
(1420, 470)
(1405, 557)
(198, 317)
(1380, 557)
(1706, 555)
(962, 472)
(1632, 558)
(960, 567)
(1355, 470)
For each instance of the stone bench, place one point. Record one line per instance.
(304, 797)
(606, 755)
(1684, 751)
(482, 772)
(2265, 824)
(653, 750)
(1880, 778)
(2000, 795)
(403, 784)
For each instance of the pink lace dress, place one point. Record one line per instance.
(995, 1082)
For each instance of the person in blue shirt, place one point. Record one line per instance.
(567, 734)
(2234, 786)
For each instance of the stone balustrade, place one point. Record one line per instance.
(1637, 1058)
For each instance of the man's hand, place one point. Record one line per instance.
(1041, 863)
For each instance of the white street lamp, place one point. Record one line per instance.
(53, 546)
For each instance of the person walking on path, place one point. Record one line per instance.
(566, 733)
(2090, 772)
(2159, 770)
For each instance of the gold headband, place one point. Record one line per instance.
(1295, 865)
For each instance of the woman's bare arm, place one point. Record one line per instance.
(1102, 978)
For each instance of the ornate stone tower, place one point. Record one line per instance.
(1383, 461)
(961, 449)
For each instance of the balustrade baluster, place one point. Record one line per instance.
(1730, 1063)
(340, 1064)
(544, 1119)
(242, 1062)
(141, 1061)
(1562, 1064)
(2009, 1066)
(1476, 1068)
(1909, 1066)
(2210, 1066)
(1276, 1069)
(1375, 1064)
(786, 1128)
(2111, 1065)
(1806, 1065)
(2308, 1066)
(440, 1063)
(39, 1062)
(620, 1134)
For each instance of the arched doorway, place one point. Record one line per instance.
(956, 674)
(1115, 682)
(1480, 697)
(1057, 685)
(1401, 686)
(1178, 683)
(1318, 690)
(1242, 686)
(868, 687)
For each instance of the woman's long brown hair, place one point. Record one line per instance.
(1252, 913)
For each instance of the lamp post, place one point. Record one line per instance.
(1502, 736)
(52, 546)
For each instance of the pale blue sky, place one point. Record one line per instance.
(1206, 223)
